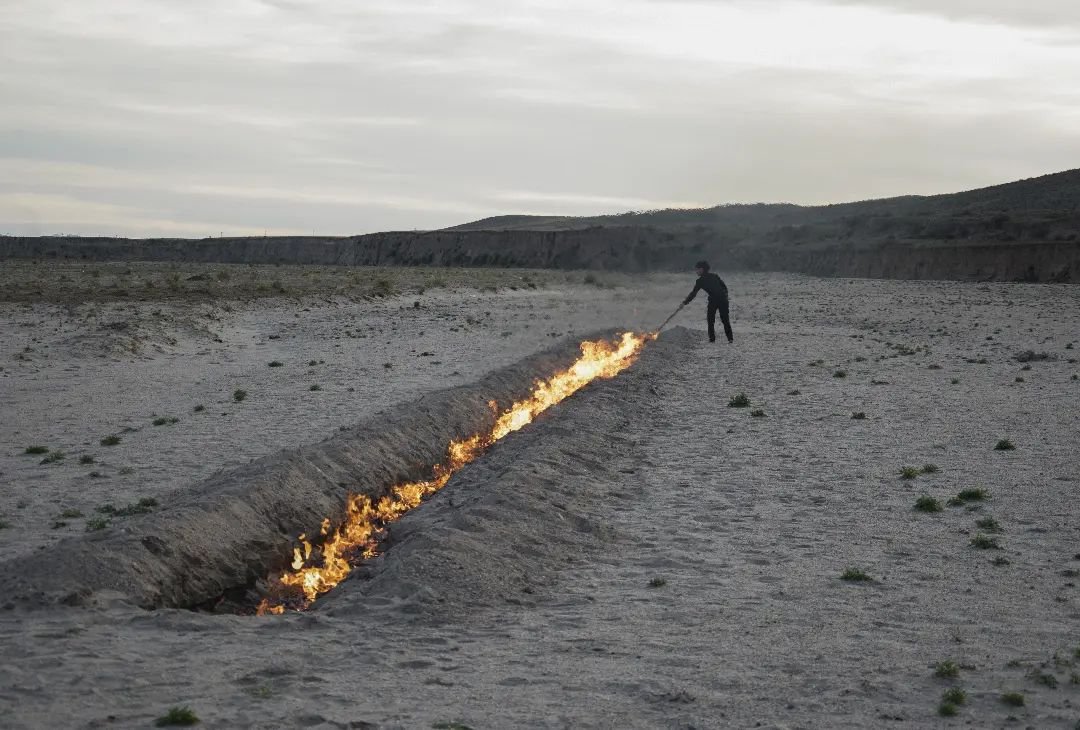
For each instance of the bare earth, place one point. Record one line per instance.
(642, 556)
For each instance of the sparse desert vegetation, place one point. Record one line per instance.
(1013, 699)
(969, 495)
(926, 503)
(176, 717)
(739, 401)
(855, 575)
(947, 669)
(684, 496)
(128, 282)
(984, 542)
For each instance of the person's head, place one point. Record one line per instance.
(702, 268)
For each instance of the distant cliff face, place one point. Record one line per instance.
(1027, 230)
(612, 248)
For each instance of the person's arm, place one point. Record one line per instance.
(690, 297)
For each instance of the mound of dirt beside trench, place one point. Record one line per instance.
(232, 530)
(505, 526)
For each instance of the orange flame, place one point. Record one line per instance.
(366, 517)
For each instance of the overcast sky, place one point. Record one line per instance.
(201, 117)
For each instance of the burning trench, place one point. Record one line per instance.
(319, 565)
(221, 543)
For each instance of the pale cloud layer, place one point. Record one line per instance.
(160, 117)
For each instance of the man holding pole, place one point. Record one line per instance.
(715, 287)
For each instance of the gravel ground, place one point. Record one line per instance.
(642, 556)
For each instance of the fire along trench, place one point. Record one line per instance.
(321, 563)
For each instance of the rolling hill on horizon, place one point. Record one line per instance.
(1026, 230)
(1039, 208)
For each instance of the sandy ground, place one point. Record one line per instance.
(644, 556)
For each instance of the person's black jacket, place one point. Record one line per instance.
(713, 285)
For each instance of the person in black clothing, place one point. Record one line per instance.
(715, 287)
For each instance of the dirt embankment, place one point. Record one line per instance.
(234, 528)
(610, 248)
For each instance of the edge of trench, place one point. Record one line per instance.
(233, 528)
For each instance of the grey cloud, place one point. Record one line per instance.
(458, 119)
(1038, 13)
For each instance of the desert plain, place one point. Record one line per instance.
(885, 535)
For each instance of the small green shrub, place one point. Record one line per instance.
(989, 524)
(858, 416)
(984, 542)
(1004, 445)
(947, 709)
(199, 408)
(383, 287)
(165, 421)
(969, 495)
(53, 457)
(1013, 699)
(947, 669)
(239, 395)
(855, 575)
(757, 413)
(926, 503)
(95, 524)
(316, 386)
(177, 716)
(275, 364)
(954, 695)
(1044, 678)
(112, 440)
(657, 583)
(909, 472)
(143, 506)
(1032, 356)
(840, 374)
(795, 392)
(930, 469)
(739, 401)
(36, 450)
(86, 459)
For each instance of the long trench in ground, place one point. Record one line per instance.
(214, 545)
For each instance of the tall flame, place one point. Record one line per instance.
(366, 518)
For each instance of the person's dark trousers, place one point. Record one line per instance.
(719, 305)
